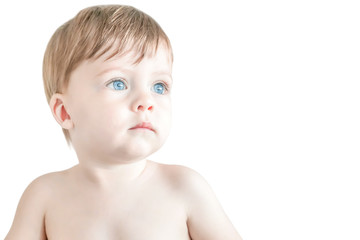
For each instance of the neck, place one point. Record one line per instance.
(119, 174)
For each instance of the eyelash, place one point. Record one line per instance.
(165, 83)
(115, 80)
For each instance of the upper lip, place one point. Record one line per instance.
(145, 125)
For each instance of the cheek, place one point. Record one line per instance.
(164, 104)
(110, 117)
(100, 120)
(165, 114)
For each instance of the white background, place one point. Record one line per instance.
(266, 107)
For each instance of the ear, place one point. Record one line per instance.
(60, 112)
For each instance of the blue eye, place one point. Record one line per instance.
(159, 88)
(117, 85)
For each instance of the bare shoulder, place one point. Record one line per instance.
(45, 182)
(40, 189)
(174, 171)
(206, 218)
(43, 186)
(188, 183)
(181, 177)
(29, 220)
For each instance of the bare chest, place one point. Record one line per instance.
(148, 214)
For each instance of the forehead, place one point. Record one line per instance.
(136, 53)
(159, 62)
(160, 57)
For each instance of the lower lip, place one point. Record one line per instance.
(142, 129)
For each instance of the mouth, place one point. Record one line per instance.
(143, 126)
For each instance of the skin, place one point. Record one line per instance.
(114, 192)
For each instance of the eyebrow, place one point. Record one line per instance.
(160, 72)
(163, 73)
(112, 69)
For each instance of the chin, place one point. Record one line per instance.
(135, 152)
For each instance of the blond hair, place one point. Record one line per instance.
(93, 32)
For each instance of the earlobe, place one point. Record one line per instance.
(60, 112)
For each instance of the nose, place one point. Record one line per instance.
(143, 108)
(143, 103)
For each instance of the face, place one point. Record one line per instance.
(120, 111)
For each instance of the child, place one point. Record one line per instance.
(107, 77)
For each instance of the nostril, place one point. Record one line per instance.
(140, 108)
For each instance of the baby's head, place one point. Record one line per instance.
(107, 77)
